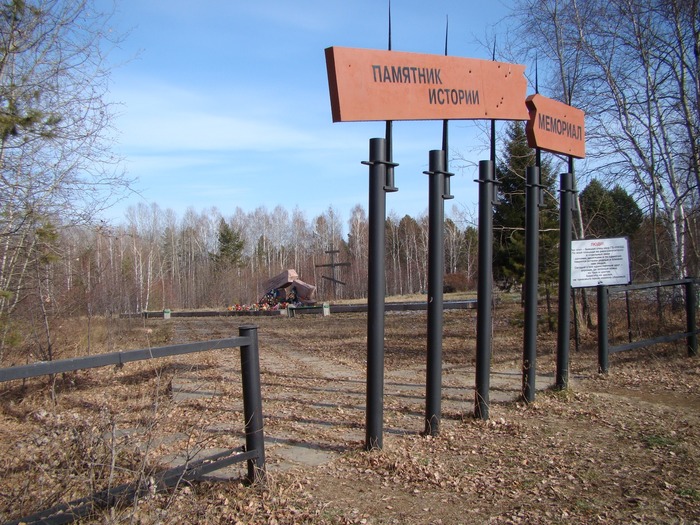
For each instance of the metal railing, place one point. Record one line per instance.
(690, 335)
(254, 450)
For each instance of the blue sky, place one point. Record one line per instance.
(225, 103)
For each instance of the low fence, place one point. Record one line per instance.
(321, 309)
(690, 335)
(467, 304)
(254, 450)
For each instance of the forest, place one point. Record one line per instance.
(73, 284)
(633, 67)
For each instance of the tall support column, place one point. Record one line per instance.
(376, 291)
(532, 236)
(564, 318)
(484, 289)
(252, 403)
(438, 191)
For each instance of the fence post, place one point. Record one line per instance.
(252, 403)
(603, 350)
(690, 311)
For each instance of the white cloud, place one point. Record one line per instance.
(160, 118)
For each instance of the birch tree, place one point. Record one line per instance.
(55, 162)
(634, 67)
(358, 244)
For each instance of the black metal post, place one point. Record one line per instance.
(532, 236)
(629, 316)
(564, 317)
(436, 270)
(252, 403)
(574, 308)
(603, 344)
(376, 290)
(691, 310)
(484, 289)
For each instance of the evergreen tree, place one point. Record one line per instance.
(509, 214)
(627, 215)
(596, 209)
(230, 246)
(609, 213)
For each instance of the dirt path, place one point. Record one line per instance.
(314, 406)
(620, 448)
(617, 448)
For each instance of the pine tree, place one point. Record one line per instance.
(609, 213)
(509, 214)
(230, 246)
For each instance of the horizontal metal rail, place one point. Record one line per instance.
(652, 341)
(115, 358)
(466, 304)
(644, 286)
(253, 452)
(690, 334)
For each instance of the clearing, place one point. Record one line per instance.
(621, 448)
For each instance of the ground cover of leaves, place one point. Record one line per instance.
(616, 448)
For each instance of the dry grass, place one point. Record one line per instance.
(621, 448)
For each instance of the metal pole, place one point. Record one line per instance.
(376, 289)
(484, 289)
(603, 345)
(564, 317)
(436, 269)
(532, 230)
(252, 403)
(577, 339)
(629, 316)
(691, 310)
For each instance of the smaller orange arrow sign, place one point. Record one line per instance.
(555, 126)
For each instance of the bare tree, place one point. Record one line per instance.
(467, 222)
(55, 164)
(358, 244)
(633, 67)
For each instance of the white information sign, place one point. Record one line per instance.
(596, 262)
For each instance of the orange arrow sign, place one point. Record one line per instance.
(369, 85)
(555, 126)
